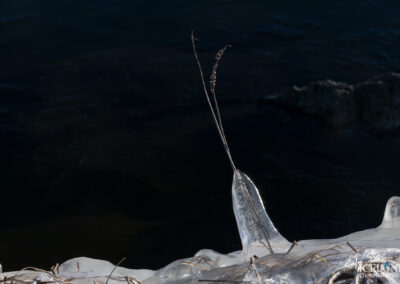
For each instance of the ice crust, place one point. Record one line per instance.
(266, 256)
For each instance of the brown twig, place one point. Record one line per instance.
(132, 280)
(195, 265)
(253, 265)
(353, 248)
(108, 278)
(292, 246)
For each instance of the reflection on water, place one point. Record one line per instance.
(107, 143)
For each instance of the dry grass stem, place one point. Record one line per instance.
(115, 267)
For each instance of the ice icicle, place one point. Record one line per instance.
(391, 218)
(257, 233)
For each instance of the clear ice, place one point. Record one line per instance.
(255, 227)
(369, 256)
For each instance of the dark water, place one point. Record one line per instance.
(108, 149)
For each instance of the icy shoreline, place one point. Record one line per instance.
(266, 257)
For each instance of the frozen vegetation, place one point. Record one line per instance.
(370, 256)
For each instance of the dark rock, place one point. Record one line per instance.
(374, 104)
(331, 101)
(379, 102)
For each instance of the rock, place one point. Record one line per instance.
(379, 102)
(331, 101)
(373, 104)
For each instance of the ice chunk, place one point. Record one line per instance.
(257, 232)
(391, 218)
(83, 267)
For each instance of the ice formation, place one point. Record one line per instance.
(370, 256)
(255, 227)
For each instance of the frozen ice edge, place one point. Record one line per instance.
(309, 261)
